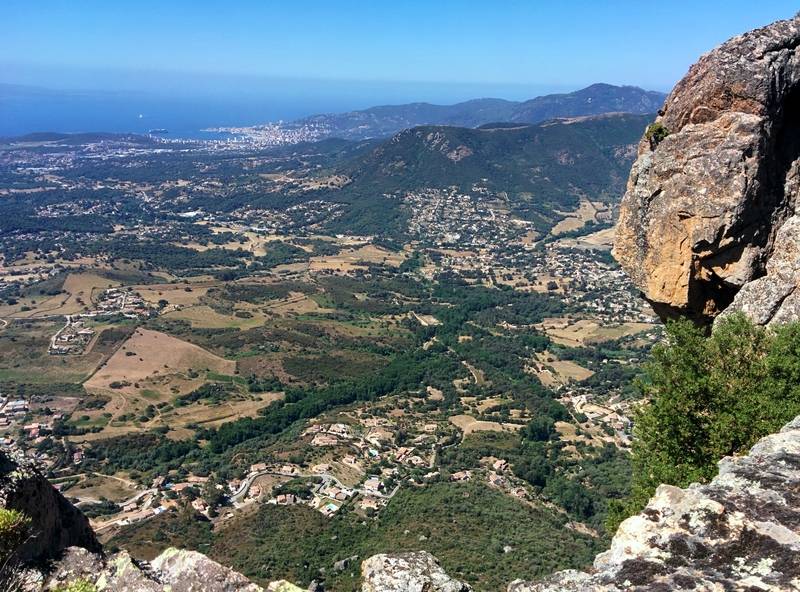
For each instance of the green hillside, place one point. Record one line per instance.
(540, 168)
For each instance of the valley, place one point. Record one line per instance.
(327, 343)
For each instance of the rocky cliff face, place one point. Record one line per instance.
(739, 532)
(55, 523)
(172, 571)
(708, 220)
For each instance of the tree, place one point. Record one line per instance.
(709, 397)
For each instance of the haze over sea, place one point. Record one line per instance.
(26, 109)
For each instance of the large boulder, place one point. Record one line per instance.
(417, 571)
(190, 571)
(739, 532)
(715, 180)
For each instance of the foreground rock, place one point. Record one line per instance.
(172, 571)
(55, 523)
(407, 572)
(709, 214)
(739, 532)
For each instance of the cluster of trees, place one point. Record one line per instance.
(147, 453)
(405, 372)
(164, 256)
(710, 397)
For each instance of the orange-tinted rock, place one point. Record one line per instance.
(704, 205)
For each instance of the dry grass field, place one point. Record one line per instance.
(554, 372)
(296, 303)
(485, 404)
(180, 419)
(204, 317)
(355, 258)
(177, 295)
(434, 394)
(586, 212)
(93, 487)
(581, 332)
(152, 368)
(156, 362)
(602, 240)
(468, 425)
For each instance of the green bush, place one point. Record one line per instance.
(709, 397)
(15, 528)
(79, 585)
(655, 133)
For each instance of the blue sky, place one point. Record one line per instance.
(505, 46)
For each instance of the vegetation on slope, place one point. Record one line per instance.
(499, 538)
(540, 168)
(710, 397)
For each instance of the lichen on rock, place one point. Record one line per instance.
(739, 532)
(407, 572)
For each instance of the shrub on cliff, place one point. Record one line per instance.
(15, 528)
(709, 397)
(655, 133)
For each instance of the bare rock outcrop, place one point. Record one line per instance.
(190, 571)
(739, 532)
(55, 523)
(716, 181)
(407, 572)
(173, 571)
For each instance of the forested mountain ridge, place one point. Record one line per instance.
(537, 168)
(385, 120)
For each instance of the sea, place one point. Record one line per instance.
(136, 113)
(28, 109)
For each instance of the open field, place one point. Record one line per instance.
(580, 332)
(485, 404)
(174, 294)
(78, 290)
(204, 317)
(586, 212)
(181, 421)
(296, 303)
(350, 259)
(469, 425)
(94, 487)
(153, 369)
(207, 416)
(554, 372)
(157, 361)
(592, 436)
(602, 239)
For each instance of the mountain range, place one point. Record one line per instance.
(389, 119)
